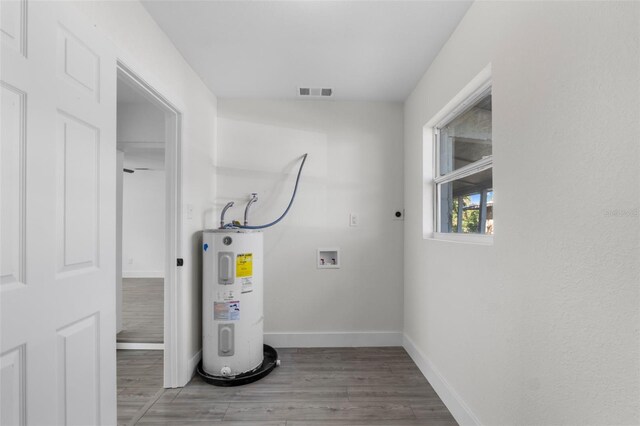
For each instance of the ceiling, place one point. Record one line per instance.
(364, 50)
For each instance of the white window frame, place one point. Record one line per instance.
(479, 87)
(468, 170)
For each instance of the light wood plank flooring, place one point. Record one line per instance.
(139, 380)
(315, 386)
(142, 310)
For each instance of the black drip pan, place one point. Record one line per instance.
(269, 362)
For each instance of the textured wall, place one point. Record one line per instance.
(542, 326)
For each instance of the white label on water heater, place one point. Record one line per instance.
(228, 295)
(247, 285)
(226, 311)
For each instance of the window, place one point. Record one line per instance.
(464, 168)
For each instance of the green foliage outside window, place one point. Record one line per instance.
(470, 217)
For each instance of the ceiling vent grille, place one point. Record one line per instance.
(315, 92)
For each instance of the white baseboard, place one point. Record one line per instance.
(141, 346)
(142, 274)
(458, 408)
(328, 340)
(193, 363)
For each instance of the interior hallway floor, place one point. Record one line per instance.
(142, 310)
(312, 386)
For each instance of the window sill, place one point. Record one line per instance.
(485, 240)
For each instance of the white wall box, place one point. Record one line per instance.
(328, 258)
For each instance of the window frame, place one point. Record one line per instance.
(476, 90)
(468, 170)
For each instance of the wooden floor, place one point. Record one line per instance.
(142, 310)
(320, 386)
(139, 381)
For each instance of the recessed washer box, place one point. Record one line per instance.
(328, 258)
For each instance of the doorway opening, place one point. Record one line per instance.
(147, 228)
(141, 213)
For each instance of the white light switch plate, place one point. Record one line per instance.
(354, 219)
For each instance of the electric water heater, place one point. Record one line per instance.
(232, 294)
(233, 351)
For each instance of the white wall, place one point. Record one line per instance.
(141, 133)
(140, 122)
(542, 327)
(147, 51)
(354, 165)
(143, 220)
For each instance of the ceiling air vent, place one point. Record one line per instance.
(315, 92)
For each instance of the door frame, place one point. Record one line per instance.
(173, 228)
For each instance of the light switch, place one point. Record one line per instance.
(189, 211)
(354, 220)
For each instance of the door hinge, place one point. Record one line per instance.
(180, 261)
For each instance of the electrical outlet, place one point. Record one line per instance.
(189, 211)
(354, 219)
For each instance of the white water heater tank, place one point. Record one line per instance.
(232, 294)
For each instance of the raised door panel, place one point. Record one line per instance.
(12, 387)
(12, 186)
(79, 373)
(78, 64)
(78, 194)
(13, 25)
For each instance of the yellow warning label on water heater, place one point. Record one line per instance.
(244, 265)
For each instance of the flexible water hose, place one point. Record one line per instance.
(293, 197)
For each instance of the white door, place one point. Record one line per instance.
(58, 88)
